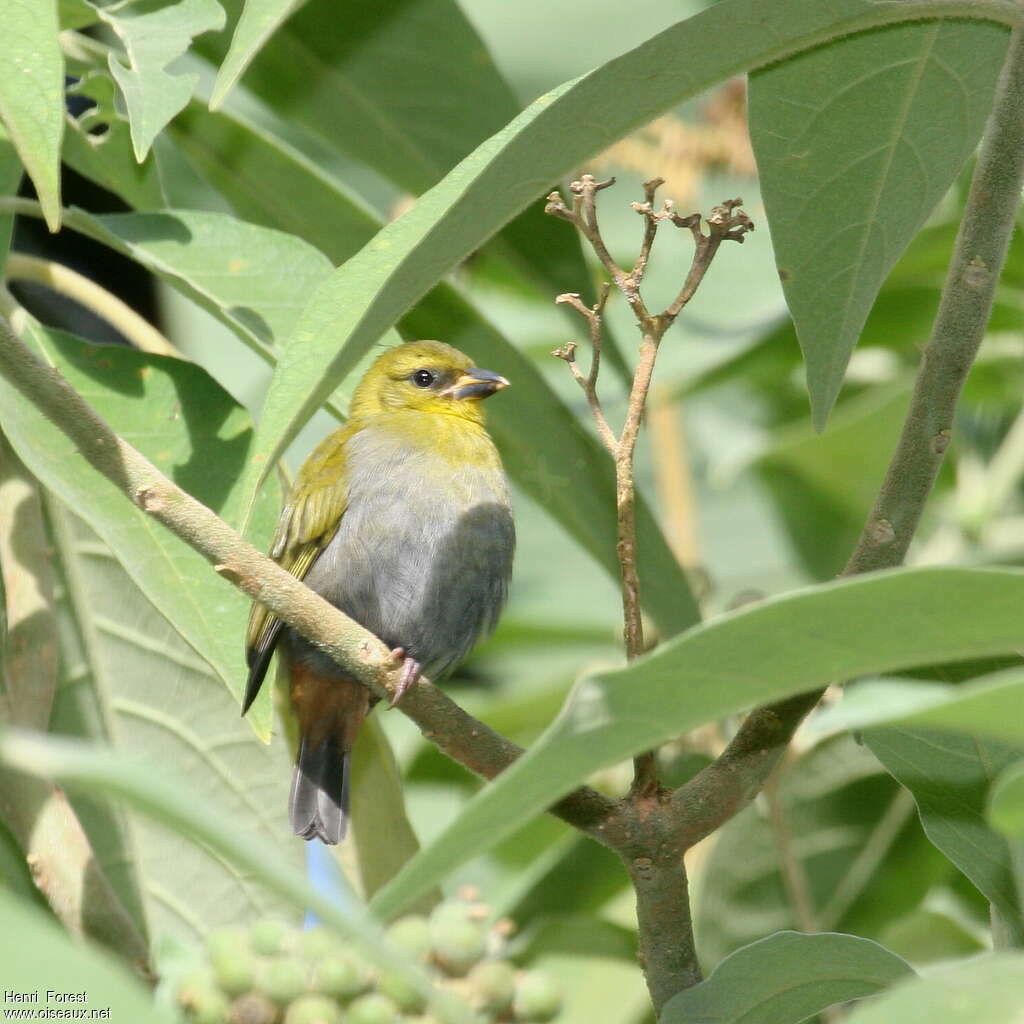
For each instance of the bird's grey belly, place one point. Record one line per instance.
(424, 567)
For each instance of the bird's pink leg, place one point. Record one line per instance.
(410, 674)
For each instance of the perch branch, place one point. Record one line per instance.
(458, 734)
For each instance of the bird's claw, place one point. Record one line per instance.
(410, 674)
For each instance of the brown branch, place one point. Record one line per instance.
(363, 655)
(655, 866)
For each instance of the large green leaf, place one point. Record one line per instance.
(407, 110)
(250, 277)
(899, 619)
(989, 989)
(1006, 802)
(787, 978)
(10, 177)
(256, 23)
(836, 820)
(39, 956)
(32, 94)
(856, 142)
(154, 34)
(129, 679)
(950, 776)
(824, 485)
(502, 176)
(193, 431)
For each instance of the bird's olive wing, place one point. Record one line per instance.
(308, 521)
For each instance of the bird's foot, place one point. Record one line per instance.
(411, 669)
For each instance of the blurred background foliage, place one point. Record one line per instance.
(752, 501)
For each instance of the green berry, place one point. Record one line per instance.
(401, 991)
(372, 1009)
(492, 985)
(411, 934)
(200, 998)
(341, 976)
(537, 997)
(317, 942)
(449, 911)
(230, 939)
(458, 945)
(235, 970)
(284, 980)
(252, 1008)
(270, 937)
(313, 1009)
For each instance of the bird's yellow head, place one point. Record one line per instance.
(425, 376)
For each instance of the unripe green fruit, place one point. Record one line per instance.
(252, 1008)
(270, 937)
(537, 997)
(284, 980)
(317, 942)
(492, 985)
(449, 911)
(411, 934)
(458, 945)
(397, 988)
(230, 940)
(341, 976)
(235, 970)
(372, 1009)
(199, 996)
(313, 1009)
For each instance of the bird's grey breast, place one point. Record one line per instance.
(423, 554)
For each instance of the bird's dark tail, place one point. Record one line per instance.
(318, 804)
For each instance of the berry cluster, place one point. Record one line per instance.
(272, 973)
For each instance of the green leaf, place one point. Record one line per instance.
(155, 33)
(44, 957)
(128, 678)
(76, 13)
(407, 110)
(192, 430)
(502, 176)
(257, 22)
(950, 776)
(989, 989)
(32, 95)
(107, 157)
(10, 177)
(824, 485)
(724, 666)
(384, 839)
(839, 821)
(856, 143)
(250, 277)
(1006, 802)
(787, 978)
(270, 183)
(165, 798)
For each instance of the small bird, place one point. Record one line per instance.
(401, 518)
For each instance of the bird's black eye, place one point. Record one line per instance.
(423, 378)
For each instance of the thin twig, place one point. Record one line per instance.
(136, 329)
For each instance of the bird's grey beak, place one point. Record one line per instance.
(477, 383)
